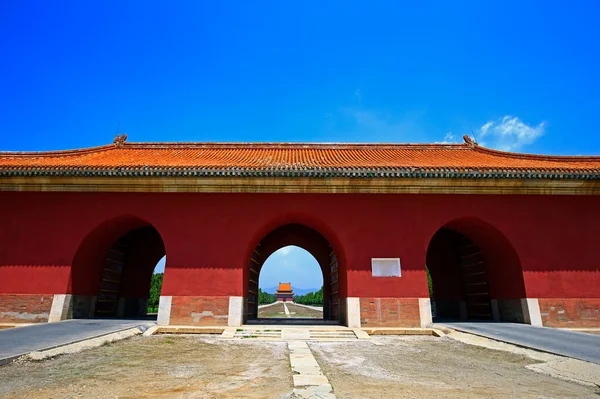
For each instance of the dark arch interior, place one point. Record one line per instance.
(475, 275)
(113, 269)
(313, 242)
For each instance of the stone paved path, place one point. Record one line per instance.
(18, 341)
(309, 381)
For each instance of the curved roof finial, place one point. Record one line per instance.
(469, 141)
(120, 140)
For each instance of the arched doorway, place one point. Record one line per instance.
(310, 240)
(474, 273)
(290, 285)
(113, 268)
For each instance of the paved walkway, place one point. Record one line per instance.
(309, 381)
(573, 344)
(18, 341)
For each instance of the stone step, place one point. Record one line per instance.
(252, 333)
(295, 334)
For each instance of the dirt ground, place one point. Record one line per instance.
(276, 311)
(192, 366)
(426, 367)
(301, 311)
(163, 366)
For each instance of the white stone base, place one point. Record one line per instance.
(531, 311)
(60, 307)
(164, 310)
(425, 312)
(353, 312)
(236, 311)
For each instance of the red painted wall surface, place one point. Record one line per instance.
(209, 237)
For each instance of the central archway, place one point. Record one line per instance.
(313, 242)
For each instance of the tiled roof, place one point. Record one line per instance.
(283, 287)
(297, 160)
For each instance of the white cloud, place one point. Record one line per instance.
(509, 133)
(285, 251)
(449, 138)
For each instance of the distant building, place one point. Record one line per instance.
(284, 293)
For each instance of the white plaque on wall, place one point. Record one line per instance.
(385, 267)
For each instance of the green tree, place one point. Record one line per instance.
(265, 298)
(310, 298)
(155, 287)
(429, 282)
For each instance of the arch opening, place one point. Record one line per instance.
(318, 247)
(474, 274)
(290, 285)
(113, 271)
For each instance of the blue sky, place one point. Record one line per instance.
(520, 76)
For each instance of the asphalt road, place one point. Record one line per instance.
(560, 342)
(18, 341)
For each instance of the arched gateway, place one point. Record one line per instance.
(475, 274)
(112, 269)
(504, 236)
(313, 242)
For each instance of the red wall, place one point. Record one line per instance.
(209, 237)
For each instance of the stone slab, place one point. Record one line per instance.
(361, 334)
(307, 370)
(314, 392)
(301, 380)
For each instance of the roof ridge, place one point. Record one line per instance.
(57, 153)
(539, 157)
(290, 145)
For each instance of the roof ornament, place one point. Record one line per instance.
(469, 141)
(120, 140)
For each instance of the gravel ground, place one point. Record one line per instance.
(163, 366)
(192, 366)
(426, 367)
